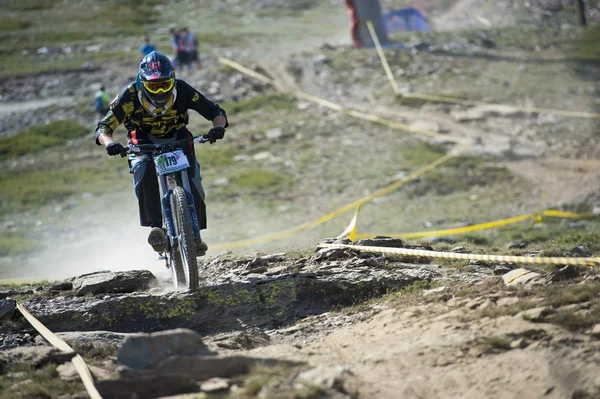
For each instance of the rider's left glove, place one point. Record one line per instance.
(216, 133)
(115, 149)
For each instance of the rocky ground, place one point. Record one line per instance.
(335, 324)
(293, 321)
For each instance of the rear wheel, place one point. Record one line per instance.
(185, 266)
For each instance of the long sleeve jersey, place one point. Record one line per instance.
(127, 108)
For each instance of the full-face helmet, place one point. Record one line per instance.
(157, 78)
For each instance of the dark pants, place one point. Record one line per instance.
(146, 183)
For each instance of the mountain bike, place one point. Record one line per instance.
(179, 213)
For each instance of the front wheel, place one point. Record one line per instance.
(185, 267)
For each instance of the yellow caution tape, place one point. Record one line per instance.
(382, 57)
(486, 258)
(568, 215)
(339, 108)
(309, 225)
(454, 100)
(476, 227)
(484, 21)
(458, 230)
(350, 231)
(478, 17)
(78, 362)
(384, 191)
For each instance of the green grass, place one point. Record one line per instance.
(577, 321)
(13, 23)
(587, 48)
(215, 157)
(39, 138)
(560, 245)
(42, 383)
(30, 189)
(16, 243)
(29, 5)
(573, 294)
(18, 64)
(497, 343)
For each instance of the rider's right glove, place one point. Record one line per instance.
(216, 133)
(115, 149)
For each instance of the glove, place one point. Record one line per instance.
(115, 149)
(216, 133)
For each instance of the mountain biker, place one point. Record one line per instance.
(154, 109)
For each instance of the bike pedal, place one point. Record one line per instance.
(161, 257)
(200, 253)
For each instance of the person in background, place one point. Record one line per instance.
(176, 46)
(190, 45)
(101, 101)
(147, 47)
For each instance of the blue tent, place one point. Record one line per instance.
(405, 20)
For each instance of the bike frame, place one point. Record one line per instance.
(167, 183)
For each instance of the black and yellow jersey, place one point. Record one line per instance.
(131, 109)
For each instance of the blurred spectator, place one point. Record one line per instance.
(190, 46)
(101, 101)
(147, 47)
(178, 50)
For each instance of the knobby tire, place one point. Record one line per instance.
(185, 267)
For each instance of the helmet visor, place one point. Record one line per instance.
(159, 87)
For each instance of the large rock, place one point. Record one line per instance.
(330, 377)
(147, 387)
(142, 351)
(381, 242)
(7, 308)
(248, 339)
(35, 356)
(113, 282)
(202, 368)
(91, 337)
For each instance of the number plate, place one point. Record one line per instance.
(171, 162)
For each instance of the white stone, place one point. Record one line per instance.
(519, 276)
(274, 134)
(262, 156)
(426, 125)
(242, 158)
(596, 331)
(222, 181)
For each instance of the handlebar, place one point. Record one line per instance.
(162, 147)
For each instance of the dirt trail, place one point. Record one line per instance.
(27, 106)
(435, 351)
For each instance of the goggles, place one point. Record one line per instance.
(159, 87)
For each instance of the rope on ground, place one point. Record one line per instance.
(78, 362)
(384, 191)
(351, 233)
(339, 108)
(485, 258)
(310, 225)
(382, 57)
(478, 17)
(454, 100)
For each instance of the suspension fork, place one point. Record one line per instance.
(167, 210)
(188, 192)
